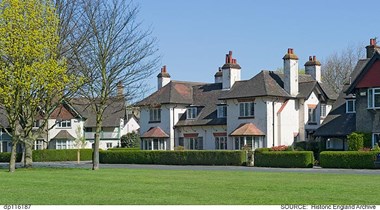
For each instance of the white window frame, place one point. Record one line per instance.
(222, 111)
(150, 144)
(323, 110)
(193, 143)
(64, 144)
(221, 142)
(38, 144)
(371, 102)
(109, 145)
(155, 115)
(254, 141)
(353, 106)
(191, 113)
(246, 109)
(64, 124)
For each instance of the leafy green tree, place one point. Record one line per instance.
(32, 80)
(355, 141)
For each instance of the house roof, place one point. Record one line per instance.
(270, 83)
(247, 129)
(337, 123)
(361, 68)
(64, 134)
(205, 98)
(175, 92)
(111, 118)
(155, 132)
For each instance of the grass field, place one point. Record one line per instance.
(132, 186)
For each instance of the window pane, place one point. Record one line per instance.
(370, 98)
(241, 109)
(155, 144)
(200, 143)
(246, 109)
(217, 143)
(377, 100)
(252, 106)
(237, 143)
(159, 115)
(350, 106)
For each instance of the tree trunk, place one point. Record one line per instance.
(78, 156)
(95, 161)
(12, 161)
(28, 155)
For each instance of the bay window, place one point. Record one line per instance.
(252, 142)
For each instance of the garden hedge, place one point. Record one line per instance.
(133, 148)
(172, 157)
(284, 159)
(6, 157)
(348, 159)
(61, 155)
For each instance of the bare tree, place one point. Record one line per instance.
(337, 67)
(118, 52)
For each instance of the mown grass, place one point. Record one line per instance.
(132, 186)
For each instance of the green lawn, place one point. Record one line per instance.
(131, 186)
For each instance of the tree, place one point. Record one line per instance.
(32, 80)
(337, 67)
(118, 52)
(79, 142)
(130, 140)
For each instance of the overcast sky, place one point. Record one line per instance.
(194, 35)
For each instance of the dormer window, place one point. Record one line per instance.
(374, 98)
(64, 124)
(350, 106)
(222, 111)
(323, 110)
(191, 113)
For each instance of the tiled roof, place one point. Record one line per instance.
(175, 92)
(64, 134)
(247, 129)
(205, 98)
(155, 132)
(111, 118)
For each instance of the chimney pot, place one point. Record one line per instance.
(226, 58)
(310, 58)
(290, 51)
(314, 58)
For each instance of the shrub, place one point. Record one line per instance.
(285, 159)
(376, 148)
(348, 159)
(279, 148)
(61, 155)
(123, 148)
(259, 150)
(355, 141)
(173, 157)
(6, 157)
(130, 140)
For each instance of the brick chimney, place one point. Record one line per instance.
(219, 76)
(313, 68)
(230, 71)
(372, 48)
(163, 78)
(291, 72)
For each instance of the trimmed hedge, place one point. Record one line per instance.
(61, 155)
(348, 159)
(172, 157)
(123, 148)
(6, 157)
(284, 159)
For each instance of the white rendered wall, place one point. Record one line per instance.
(291, 76)
(230, 76)
(207, 132)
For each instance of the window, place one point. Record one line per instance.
(374, 98)
(221, 142)
(247, 109)
(64, 124)
(222, 111)
(376, 139)
(323, 110)
(191, 113)
(155, 115)
(154, 144)
(252, 142)
(37, 124)
(64, 144)
(312, 116)
(195, 143)
(38, 145)
(109, 145)
(350, 106)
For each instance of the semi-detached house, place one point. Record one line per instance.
(270, 109)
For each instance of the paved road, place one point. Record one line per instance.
(87, 164)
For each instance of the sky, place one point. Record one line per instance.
(193, 36)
